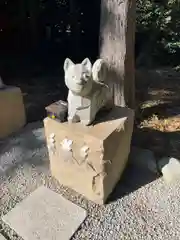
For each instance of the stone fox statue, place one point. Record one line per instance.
(88, 92)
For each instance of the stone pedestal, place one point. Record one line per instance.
(91, 159)
(12, 116)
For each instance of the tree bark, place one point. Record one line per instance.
(117, 39)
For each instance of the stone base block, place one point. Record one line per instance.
(12, 116)
(91, 159)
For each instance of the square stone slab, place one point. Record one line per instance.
(45, 215)
(1, 237)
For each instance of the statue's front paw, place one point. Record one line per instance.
(73, 119)
(86, 122)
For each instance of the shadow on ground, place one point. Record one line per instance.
(157, 124)
(132, 179)
(157, 92)
(161, 143)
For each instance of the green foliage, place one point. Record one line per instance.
(158, 31)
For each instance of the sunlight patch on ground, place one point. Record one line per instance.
(171, 124)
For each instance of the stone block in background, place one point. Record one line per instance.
(90, 159)
(12, 116)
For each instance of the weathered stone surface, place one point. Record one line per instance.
(12, 111)
(170, 168)
(91, 159)
(143, 158)
(45, 215)
(1, 237)
(87, 91)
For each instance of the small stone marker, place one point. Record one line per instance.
(45, 215)
(1, 237)
(57, 110)
(170, 168)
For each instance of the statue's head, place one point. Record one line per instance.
(78, 77)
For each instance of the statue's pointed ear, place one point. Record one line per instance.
(87, 63)
(67, 64)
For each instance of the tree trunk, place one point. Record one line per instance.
(117, 39)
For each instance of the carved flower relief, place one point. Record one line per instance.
(66, 144)
(66, 150)
(84, 151)
(51, 143)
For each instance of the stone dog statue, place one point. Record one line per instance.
(88, 92)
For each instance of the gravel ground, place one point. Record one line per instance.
(141, 207)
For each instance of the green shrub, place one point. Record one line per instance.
(158, 31)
